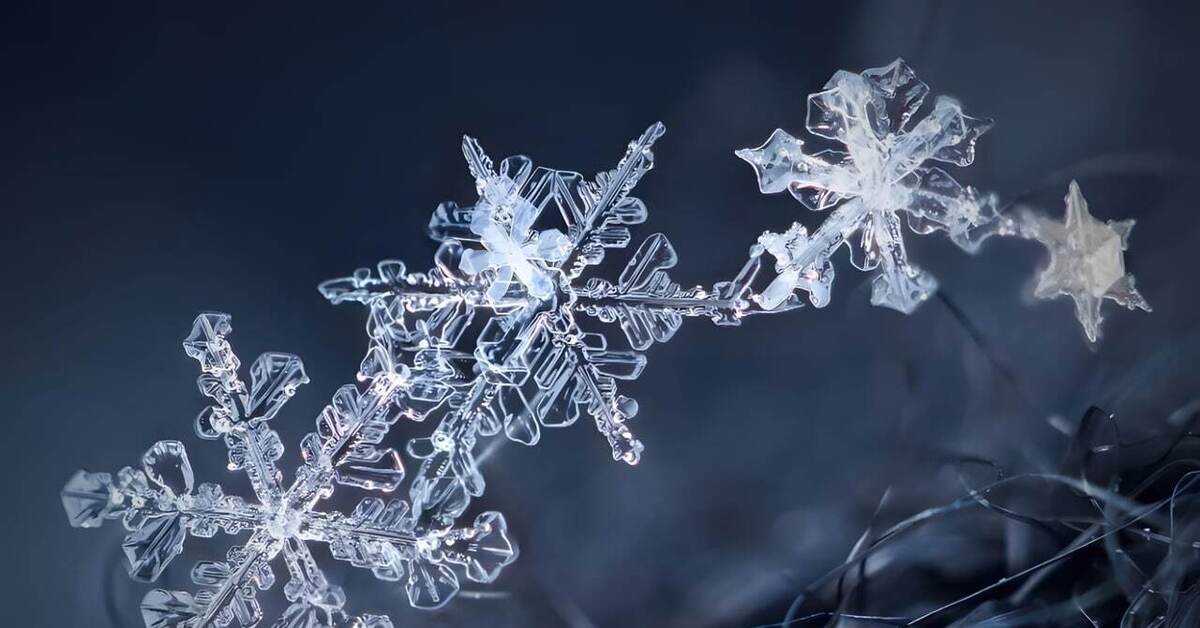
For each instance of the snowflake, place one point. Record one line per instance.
(1087, 261)
(881, 172)
(160, 505)
(532, 365)
(517, 260)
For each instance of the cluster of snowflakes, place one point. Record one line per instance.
(528, 364)
(883, 163)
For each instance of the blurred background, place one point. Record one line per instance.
(161, 159)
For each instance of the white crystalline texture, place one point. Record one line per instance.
(786, 248)
(1087, 261)
(503, 220)
(515, 263)
(160, 505)
(518, 259)
(881, 166)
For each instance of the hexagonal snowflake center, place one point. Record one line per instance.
(283, 524)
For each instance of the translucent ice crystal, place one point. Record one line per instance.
(160, 506)
(1087, 261)
(532, 365)
(882, 163)
(881, 169)
(503, 220)
(528, 365)
(497, 337)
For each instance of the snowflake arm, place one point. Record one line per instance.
(600, 211)
(239, 415)
(649, 307)
(383, 538)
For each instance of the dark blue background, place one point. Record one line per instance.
(161, 159)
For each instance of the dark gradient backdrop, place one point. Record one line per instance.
(167, 158)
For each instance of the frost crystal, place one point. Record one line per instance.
(503, 220)
(532, 365)
(1087, 261)
(881, 165)
(880, 170)
(517, 261)
(160, 505)
(529, 365)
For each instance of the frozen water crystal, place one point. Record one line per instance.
(160, 505)
(880, 168)
(498, 337)
(166, 464)
(876, 166)
(503, 220)
(532, 365)
(1087, 261)
(529, 365)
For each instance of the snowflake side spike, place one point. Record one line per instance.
(160, 505)
(535, 366)
(883, 167)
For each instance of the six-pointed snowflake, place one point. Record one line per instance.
(881, 171)
(1087, 261)
(532, 365)
(160, 505)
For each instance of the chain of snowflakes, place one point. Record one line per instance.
(532, 365)
(881, 162)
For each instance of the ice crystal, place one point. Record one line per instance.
(503, 220)
(160, 505)
(532, 365)
(1087, 261)
(513, 270)
(882, 169)
(883, 164)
